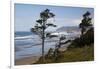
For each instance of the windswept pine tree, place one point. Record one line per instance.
(42, 25)
(86, 22)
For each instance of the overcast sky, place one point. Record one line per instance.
(27, 14)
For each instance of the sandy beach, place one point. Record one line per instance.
(26, 61)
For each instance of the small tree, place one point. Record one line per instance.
(57, 47)
(86, 22)
(42, 25)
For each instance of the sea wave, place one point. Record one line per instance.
(25, 37)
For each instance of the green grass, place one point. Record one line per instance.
(78, 54)
(85, 53)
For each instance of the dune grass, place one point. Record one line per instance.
(85, 53)
(78, 54)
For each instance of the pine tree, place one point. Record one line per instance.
(42, 25)
(86, 22)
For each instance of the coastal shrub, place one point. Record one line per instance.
(86, 39)
(50, 53)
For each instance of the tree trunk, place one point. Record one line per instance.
(43, 38)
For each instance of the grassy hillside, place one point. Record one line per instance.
(78, 54)
(85, 53)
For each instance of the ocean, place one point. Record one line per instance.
(29, 44)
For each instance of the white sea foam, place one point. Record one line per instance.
(25, 37)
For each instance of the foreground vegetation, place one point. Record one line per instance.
(85, 53)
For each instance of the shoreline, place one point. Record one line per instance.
(27, 60)
(34, 59)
